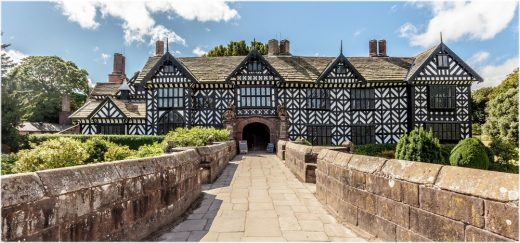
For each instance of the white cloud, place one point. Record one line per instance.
(16, 56)
(104, 58)
(358, 32)
(480, 20)
(478, 58)
(137, 16)
(199, 52)
(96, 48)
(494, 74)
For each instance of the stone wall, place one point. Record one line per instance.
(301, 159)
(122, 200)
(214, 159)
(400, 200)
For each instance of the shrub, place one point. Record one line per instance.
(379, 150)
(55, 153)
(132, 141)
(8, 162)
(419, 145)
(476, 129)
(149, 150)
(118, 152)
(303, 141)
(96, 148)
(470, 152)
(196, 136)
(502, 151)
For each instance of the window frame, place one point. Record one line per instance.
(208, 102)
(443, 61)
(319, 134)
(450, 100)
(360, 139)
(248, 100)
(171, 125)
(316, 97)
(164, 96)
(444, 131)
(361, 102)
(111, 128)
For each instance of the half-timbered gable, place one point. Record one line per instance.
(326, 100)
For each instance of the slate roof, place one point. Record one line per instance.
(41, 127)
(105, 89)
(420, 59)
(130, 109)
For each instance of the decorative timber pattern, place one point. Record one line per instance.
(108, 110)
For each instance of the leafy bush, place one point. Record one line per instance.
(476, 129)
(470, 152)
(508, 168)
(378, 150)
(502, 151)
(149, 150)
(419, 145)
(8, 162)
(118, 152)
(55, 153)
(196, 136)
(303, 141)
(96, 148)
(132, 141)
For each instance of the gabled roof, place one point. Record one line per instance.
(423, 58)
(154, 64)
(129, 109)
(340, 59)
(253, 54)
(105, 89)
(41, 127)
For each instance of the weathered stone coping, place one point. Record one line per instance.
(400, 200)
(120, 200)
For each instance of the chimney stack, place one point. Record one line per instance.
(65, 111)
(284, 47)
(372, 48)
(272, 47)
(381, 48)
(118, 72)
(159, 48)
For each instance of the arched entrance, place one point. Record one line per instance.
(257, 136)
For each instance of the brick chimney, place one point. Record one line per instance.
(284, 47)
(159, 48)
(272, 47)
(372, 48)
(65, 111)
(381, 48)
(118, 72)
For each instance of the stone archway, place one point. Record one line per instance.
(257, 136)
(271, 123)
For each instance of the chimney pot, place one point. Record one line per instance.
(118, 71)
(372, 48)
(272, 47)
(382, 48)
(284, 47)
(159, 48)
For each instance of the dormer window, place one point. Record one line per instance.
(254, 66)
(442, 61)
(341, 69)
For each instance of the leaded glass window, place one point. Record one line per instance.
(445, 131)
(201, 102)
(110, 128)
(170, 98)
(255, 97)
(442, 61)
(362, 99)
(442, 97)
(318, 99)
(319, 134)
(169, 121)
(363, 134)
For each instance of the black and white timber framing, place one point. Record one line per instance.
(328, 100)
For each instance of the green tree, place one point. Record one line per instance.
(502, 110)
(43, 81)
(11, 105)
(237, 48)
(479, 100)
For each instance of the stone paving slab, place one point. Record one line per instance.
(257, 198)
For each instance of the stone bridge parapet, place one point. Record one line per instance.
(121, 200)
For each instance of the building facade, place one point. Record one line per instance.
(263, 98)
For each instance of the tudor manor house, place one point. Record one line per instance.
(263, 98)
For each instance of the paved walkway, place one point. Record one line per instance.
(258, 199)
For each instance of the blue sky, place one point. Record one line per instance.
(484, 34)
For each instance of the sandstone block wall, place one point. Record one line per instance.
(302, 159)
(122, 200)
(400, 200)
(280, 149)
(214, 159)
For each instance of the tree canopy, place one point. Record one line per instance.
(479, 100)
(237, 48)
(502, 110)
(42, 81)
